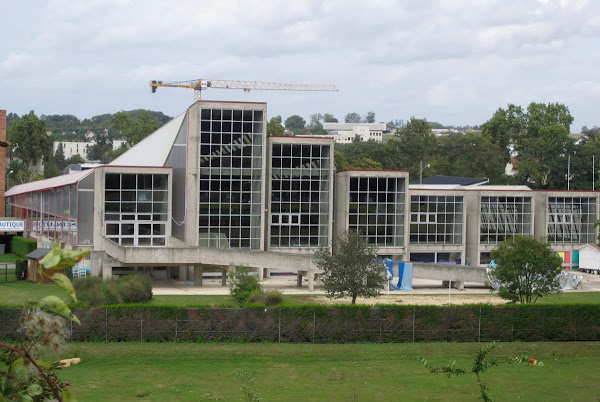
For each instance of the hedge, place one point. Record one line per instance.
(22, 246)
(324, 324)
(21, 269)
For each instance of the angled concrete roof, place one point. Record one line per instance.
(154, 149)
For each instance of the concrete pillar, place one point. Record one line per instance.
(311, 281)
(106, 271)
(198, 271)
(460, 285)
(183, 273)
(266, 273)
(299, 279)
(223, 276)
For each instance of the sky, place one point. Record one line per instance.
(454, 62)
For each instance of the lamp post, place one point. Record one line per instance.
(421, 171)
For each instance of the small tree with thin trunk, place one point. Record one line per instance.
(526, 269)
(351, 270)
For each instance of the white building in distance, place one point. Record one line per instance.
(345, 133)
(80, 148)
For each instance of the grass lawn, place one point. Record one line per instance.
(186, 371)
(8, 258)
(16, 293)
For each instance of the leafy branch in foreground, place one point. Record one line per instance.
(480, 365)
(24, 375)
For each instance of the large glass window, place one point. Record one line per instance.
(503, 217)
(376, 209)
(571, 220)
(136, 209)
(231, 148)
(300, 180)
(436, 219)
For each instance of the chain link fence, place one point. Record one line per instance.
(8, 272)
(329, 325)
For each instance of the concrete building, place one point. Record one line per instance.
(71, 148)
(209, 191)
(345, 133)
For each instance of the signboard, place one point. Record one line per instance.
(60, 226)
(12, 226)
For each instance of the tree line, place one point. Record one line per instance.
(31, 146)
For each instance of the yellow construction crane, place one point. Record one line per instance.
(247, 86)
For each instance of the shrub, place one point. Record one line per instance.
(89, 290)
(273, 298)
(243, 284)
(257, 297)
(21, 269)
(112, 292)
(128, 289)
(22, 246)
(135, 288)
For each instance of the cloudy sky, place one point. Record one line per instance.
(453, 61)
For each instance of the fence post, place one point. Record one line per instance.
(479, 330)
(414, 319)
(176, 314)
(279, 337)
(106, 323)
(314, 324)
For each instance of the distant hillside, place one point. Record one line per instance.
(66, 122)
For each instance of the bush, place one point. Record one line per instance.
(135, 288)
(94, 291)
(21, 246)
(243, 284)
(257, 297)
(273, 298)
(112, 292)
(21, 269)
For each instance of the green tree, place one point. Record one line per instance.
(351, 270)
(134, 129)
(469, 155)
(526, 269)
(370, 118)
(243, 284)
(19, 172)
(315, 126)
(352, 118)
(329, 118)
(28, 138)
(505, 126)
(274, 126)
(415, 143)
(365, 164)
(276, 119)
(339, 160)
(295, 122)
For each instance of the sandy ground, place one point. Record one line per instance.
(426, 292)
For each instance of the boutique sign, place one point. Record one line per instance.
(12, 226)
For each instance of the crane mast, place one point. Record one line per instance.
(246, 86)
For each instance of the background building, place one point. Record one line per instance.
(345, 133)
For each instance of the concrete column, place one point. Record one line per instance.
(223, 276)
(183, 273)
(299, 279)
(311, 281)
(460, 285)
(198, 271)
(106, 272)
(266, 273)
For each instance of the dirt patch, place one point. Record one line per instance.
(427, 300)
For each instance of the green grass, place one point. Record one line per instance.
(185, 371)
(8, 258)
(16, 293)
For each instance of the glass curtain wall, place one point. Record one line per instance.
(136, 209)
(300, 184)
(502, 217)
(376, 209)
(571, 220)
(51, 212)
(436, 219)
(230, 178)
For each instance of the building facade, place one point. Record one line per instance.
(346, 133)
(209, 190)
